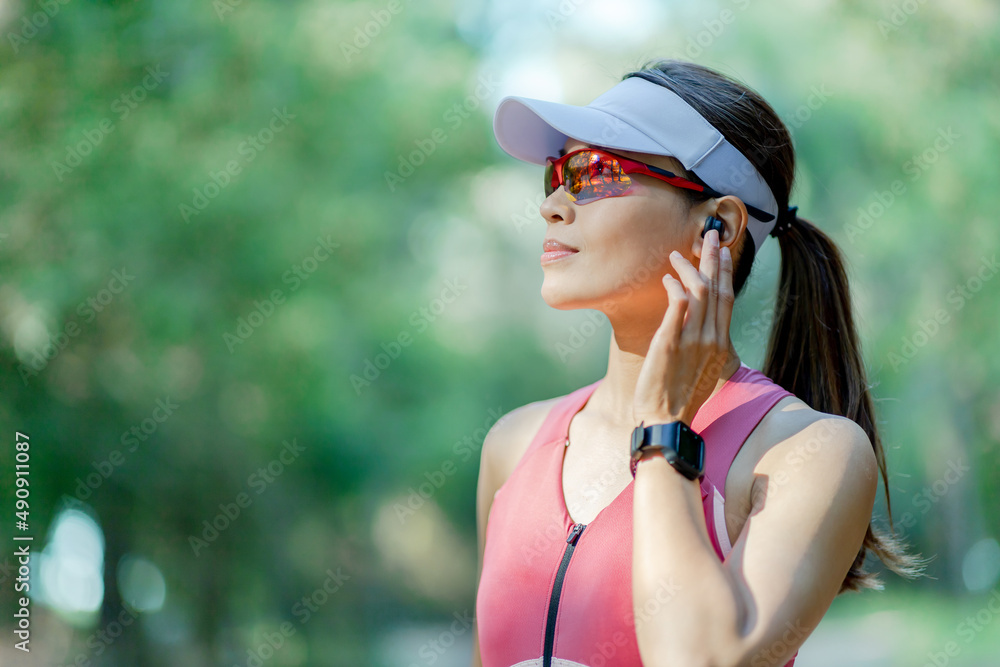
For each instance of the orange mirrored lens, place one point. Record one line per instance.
(588, 175)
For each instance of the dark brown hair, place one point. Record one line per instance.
(813, 351)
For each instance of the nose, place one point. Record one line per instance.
(557, 207)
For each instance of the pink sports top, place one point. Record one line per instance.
(556, 593)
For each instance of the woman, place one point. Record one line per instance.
(685, 509)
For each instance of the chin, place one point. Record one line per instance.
(562, 296)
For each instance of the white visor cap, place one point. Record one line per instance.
(643, 117)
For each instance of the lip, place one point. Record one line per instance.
(552, 245)
(553, 251)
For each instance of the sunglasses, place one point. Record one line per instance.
(589, 174)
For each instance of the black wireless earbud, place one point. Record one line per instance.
(711, 222)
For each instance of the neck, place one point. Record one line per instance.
(615, 396)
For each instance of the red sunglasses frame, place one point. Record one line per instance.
(554, 172)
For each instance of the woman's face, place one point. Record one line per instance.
(623, 243)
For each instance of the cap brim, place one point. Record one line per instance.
(532, 130)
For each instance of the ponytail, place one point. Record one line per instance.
(814, 352)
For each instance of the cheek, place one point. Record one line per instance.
(619, 261)
(641, 240)
(627, 241)
(641, 266)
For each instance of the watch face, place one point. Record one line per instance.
(689, 450)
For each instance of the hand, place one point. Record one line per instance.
(686, 356)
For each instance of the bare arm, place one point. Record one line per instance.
(811, 508)
(485, 490)
(503, 447)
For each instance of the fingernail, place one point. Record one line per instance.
(725, 251)
(674, 253)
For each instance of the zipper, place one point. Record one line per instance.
(550, 624)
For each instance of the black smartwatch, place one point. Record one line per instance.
(683, 448)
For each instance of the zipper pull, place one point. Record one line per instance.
(574, 534)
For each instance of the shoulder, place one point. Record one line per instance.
(801, 448)
(509, 437)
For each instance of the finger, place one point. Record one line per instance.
(697, 294)
(726, 296)
(673, 319)
(708, 267)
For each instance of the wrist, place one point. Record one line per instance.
(674, 441)
(645, 455)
